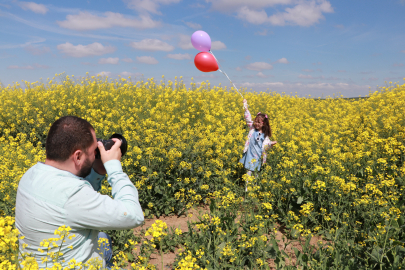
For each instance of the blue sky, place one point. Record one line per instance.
(309, 47)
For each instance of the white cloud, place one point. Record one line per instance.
(403, 51)
(317, 89)
(263, 33)
(341, 70)
(34, 66)
(303, 13)
(259, 66)
(179, 56)
(217, 45)
(104, 73)
(302, 76)
(147, 60)
(34, 50)
(305, 76)
(252, 16)
(34, 7)
(233, 5)
(282, 61)
(148, 6)
(167, 36)
(88, 64)
(84, 50)
(198, 5)
(261, 75)
(238, 68)
(393, 78)
(193, 25)
(126, 74)
(308, 70)
(128, 60)
(260, 85)
(204, 75)
(109, 60)
(398, 65)
(152, 45)
(185, 42)
(88, 21)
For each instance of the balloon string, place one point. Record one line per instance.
(223, 72)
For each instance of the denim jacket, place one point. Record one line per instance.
(266, 142)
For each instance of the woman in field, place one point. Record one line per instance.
(258, 141)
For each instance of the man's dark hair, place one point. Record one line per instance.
(66, 135)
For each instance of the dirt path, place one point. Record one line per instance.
(174, 222)
(181, 223)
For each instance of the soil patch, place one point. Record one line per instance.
(172, 222)
(192, 216)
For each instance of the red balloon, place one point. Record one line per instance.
(205, 62)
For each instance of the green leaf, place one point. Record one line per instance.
(376, 254)
(401, 220)
(157, 190)
(272, 252)
(130, 256)
(300, 199)
(296, 251)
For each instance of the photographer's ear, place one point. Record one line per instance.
(78, 157)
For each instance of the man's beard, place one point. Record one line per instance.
(86, 169)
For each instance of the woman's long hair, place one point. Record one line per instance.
(266, 126)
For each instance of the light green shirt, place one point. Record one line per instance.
(48, 198)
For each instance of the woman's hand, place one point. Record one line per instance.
(267, 147)
(245, 105)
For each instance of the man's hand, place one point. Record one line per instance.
(113, 154)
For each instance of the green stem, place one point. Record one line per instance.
(385, 242)
(161, 253)
(61, 244)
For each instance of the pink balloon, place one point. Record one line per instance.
(201, 41)
(205, 62)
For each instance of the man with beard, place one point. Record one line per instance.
(63, 191)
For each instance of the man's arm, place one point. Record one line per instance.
(88, 209)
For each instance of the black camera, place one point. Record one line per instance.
(109, 143)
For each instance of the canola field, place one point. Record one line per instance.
(337, 173)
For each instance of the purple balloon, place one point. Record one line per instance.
(201, 41)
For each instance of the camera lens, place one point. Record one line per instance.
(109, 143)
